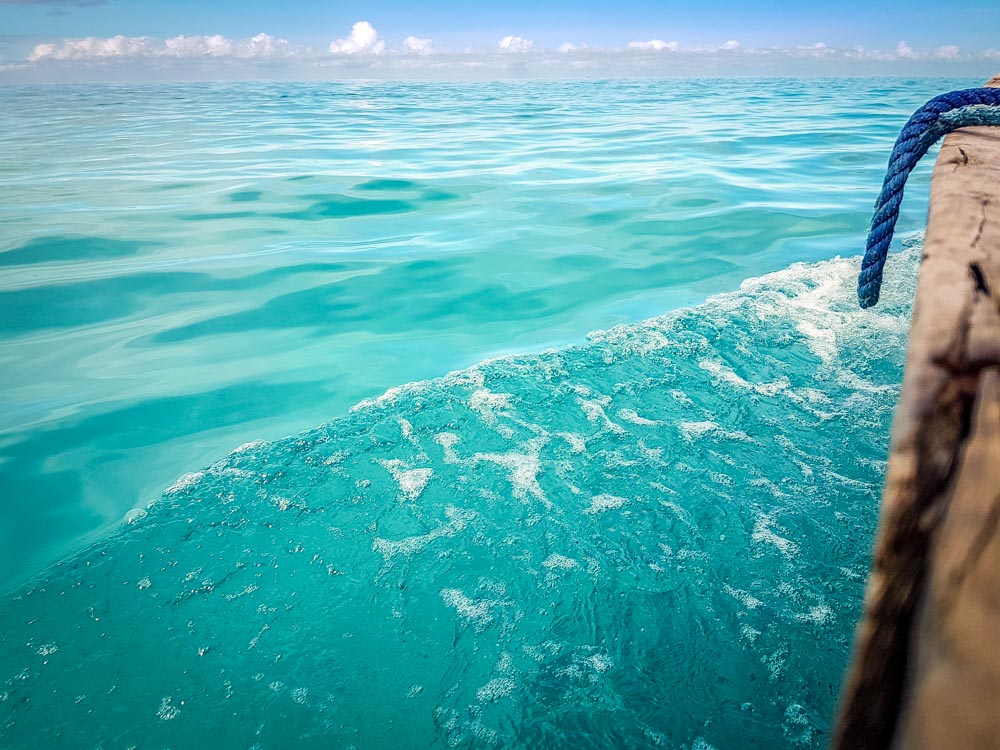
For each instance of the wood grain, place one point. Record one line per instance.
(926, 666)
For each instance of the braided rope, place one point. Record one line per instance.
(937, 118)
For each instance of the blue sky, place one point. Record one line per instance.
(963, 34)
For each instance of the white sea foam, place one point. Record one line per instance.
(745, 598)
(187, 480)
(692, 430)
(577, 443)
(523, 469)
(630, 415)
(723, 373)
(448, 441)
(467, 609)
(411, 481)
(594, 409)
(817, 615)
(762, 532)
(602, 503)
(168, 711)
(495, 689)
(599, 662)
(556, 561)
(250, 446)
(458, 520)
(489, 405)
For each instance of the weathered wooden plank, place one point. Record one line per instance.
(926, 667)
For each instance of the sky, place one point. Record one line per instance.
(57, 40)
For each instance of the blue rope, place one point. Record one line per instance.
(937, 118)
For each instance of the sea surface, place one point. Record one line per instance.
(601, 430)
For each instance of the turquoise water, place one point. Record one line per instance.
(655, 538)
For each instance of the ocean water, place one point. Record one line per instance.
(638, 510)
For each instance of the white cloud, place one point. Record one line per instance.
(860, 53)
(655, 45)
(947, 52)
(198, 46)
(93, 47)
(183, 47)
(417, 45)
(265, 45)
(819, 49)
(517, 44)
(417, 57)
(363, 40)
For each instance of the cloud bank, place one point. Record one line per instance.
(654, 45)
(180, 47)
(362, 52)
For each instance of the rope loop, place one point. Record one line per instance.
(934, 120)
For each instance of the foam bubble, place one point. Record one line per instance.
(448, 441)
(599, 662)
(577, 443)
(168, 711)
(489, 405)
(745, 598)
(556, 561)
(630, 415)
(817, 615)
(594, 409)
(458, 519)
(411, 481)
(187, 480)
(723, 373)
(602, 503)
(134, 516)
(250, 446)
(523, 469)
(762, 532)
(467, 609)
(495, 689)
(692, 430)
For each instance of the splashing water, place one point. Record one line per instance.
(656, 539)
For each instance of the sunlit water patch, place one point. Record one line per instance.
(656, 539)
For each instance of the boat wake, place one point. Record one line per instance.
(658, 538)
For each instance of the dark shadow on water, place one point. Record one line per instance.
(49, 474)
(387, 185)
(216, 215)
(245, 196)
(343, 207)
(320, 206)
(385, 302)
(101, 300)
(71, 248)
